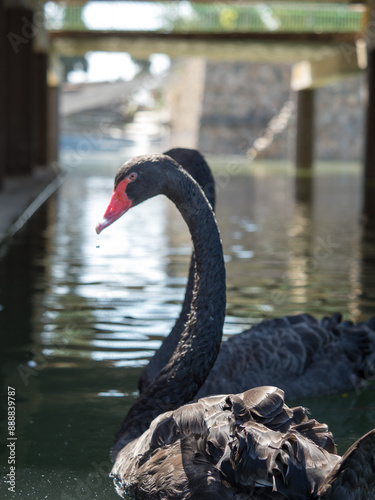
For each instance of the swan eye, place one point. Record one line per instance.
(132, 176)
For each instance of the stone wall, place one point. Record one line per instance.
(223, 107)
(340, 120)
(239, 101)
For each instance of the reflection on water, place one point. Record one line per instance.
(80, 315)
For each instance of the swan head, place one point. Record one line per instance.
(136, 181)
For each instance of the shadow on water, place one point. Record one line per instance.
(80, 316)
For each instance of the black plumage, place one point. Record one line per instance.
(230, 447)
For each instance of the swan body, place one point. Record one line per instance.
(304, 356)
(299, 354)
(243, 446)
(230, 447)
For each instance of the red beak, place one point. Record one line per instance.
(118, 205)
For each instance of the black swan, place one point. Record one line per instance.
(237, 447)
(300, 354)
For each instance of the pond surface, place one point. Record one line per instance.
(81, 315)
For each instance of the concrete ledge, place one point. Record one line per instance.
(22, 196)
(331, 68)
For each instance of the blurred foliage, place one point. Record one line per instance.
(220, 17)
(279, 16)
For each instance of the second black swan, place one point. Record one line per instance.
(300, 354)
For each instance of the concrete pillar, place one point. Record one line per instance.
(370, 121)
(3, 71)
(19, 90)
(40, 108)
(305, 129)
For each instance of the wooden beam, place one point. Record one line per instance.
(40, 107)
(53, 123)
(370, 120)
(3, 99)
(305, 129)
(19, 81)
(337, 37)
(83, 2)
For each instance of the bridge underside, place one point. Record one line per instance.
(325, 58)
(264, 47)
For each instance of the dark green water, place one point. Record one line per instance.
(80, 316)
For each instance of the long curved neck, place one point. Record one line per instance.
(169, 344)
(195, 354)
(196, 166)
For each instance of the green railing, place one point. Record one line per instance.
(222, 17)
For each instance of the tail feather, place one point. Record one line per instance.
(353, 477)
